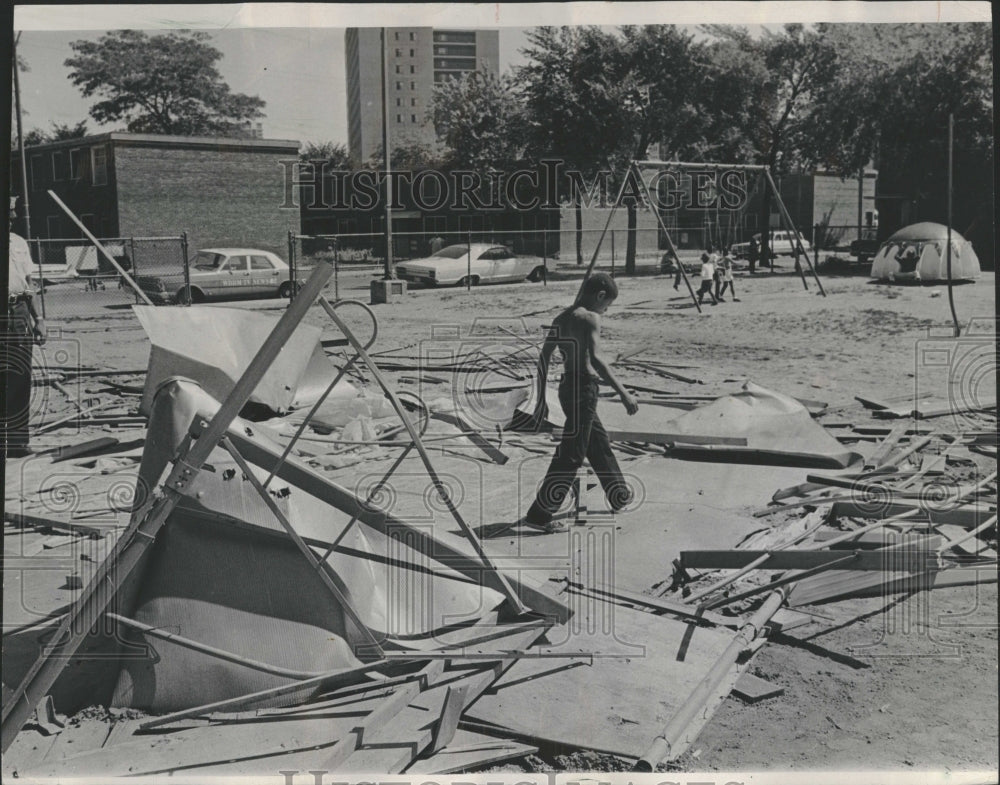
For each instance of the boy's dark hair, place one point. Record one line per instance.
(599, 282)
(704, 257)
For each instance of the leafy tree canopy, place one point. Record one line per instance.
(165, 84)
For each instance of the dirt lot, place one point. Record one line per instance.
(875, 684)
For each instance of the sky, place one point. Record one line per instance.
(292, 55)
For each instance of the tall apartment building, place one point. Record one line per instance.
(418, 58)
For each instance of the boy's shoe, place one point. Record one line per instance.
(550, 527)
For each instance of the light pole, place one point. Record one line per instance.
(388, 288)
(386, 156)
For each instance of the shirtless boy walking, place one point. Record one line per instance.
(576, 333)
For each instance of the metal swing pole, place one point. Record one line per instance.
(798, 238)
(604, 231)
(670, 242)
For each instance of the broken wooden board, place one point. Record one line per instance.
(967, 515)
(470, 750)
(667, 438)
(833, 586)
(754, 689)
(643, 669)
(789, 559)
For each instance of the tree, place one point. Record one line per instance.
(575, 94)
(333, 153)
(59, 133)
(887, 100)
(776, 76)
(479, 119)
(663, 83)
(165, 84)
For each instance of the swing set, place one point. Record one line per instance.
(714, 232)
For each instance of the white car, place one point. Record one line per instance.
(482, 263)
(782, 244)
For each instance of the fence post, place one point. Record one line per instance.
(545, 257)
(816, 236)
(187, 268)
(135, 263)
(291, 267)
(336, 269)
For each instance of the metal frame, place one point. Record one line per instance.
(97, 596)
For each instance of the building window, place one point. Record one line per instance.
(412, 70)
(37, 177)
(399, 69)
(399, 53)
(399, 85)
(413, 102)
(77, 163)
(399, 118)
(60, 166)
(413, 36)
(413, 52)
(413, 85)
(413, 118)
(99, 165)
(396, 35)
(399, 102)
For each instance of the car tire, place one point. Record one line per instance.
(285, 290)
(536, 275)
(187, 295)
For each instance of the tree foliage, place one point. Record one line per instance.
(333, 153)
(165, 84)
(479, 120)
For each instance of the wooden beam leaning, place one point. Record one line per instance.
(121, 271)
(470, 535)
(146, 522)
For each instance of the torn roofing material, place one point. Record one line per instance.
(778, 429)
(214, 346)
(224, 573)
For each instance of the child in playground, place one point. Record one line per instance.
(707, 279)
(726, 278)
(576, 333)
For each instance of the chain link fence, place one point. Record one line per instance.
(78, 281)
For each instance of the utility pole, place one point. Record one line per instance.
(387, 288)
(386, 156)
(20, 145)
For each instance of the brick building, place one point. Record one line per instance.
(225, 192)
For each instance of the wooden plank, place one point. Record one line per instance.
(754, 689)
(617, 704)
(471, 750)
(667, 438)
(392, 748)
(86, 448)
(967, 515)
(21, 519)
(886, 446)
(451, 713)
(473, 436)
(807, 560)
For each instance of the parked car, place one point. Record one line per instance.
(782, 244)
(222, 274)
(489, 264)
(865, 248)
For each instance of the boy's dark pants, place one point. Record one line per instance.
(583, 437)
